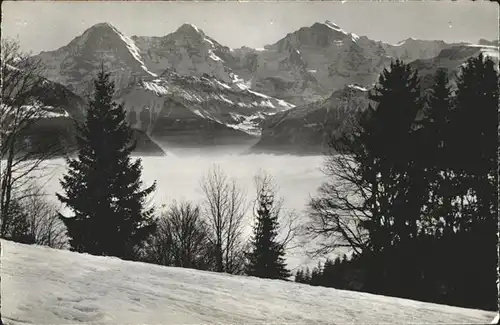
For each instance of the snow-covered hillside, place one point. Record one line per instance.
(45, 286)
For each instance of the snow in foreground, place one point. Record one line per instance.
(45, 286)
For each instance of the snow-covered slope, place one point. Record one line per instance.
(158, 102)
(46, 286)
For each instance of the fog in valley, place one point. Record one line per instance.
(178, 178)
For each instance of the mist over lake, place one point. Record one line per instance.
(178, 178)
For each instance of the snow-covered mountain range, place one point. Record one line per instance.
(187, 88)
(163, 96)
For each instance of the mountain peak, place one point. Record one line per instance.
(188, 28)
(332, 25)
(327, 26)
(408, 40)
(95, 34)
(99, 31)
(102, 27)
(330, 28)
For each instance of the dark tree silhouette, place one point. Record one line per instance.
(103, 186)
(366, 205)
(474, 152)
(412, 190)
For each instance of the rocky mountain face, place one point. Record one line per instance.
(308, 129)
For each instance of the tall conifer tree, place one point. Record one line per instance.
(475, 127)
(266, 259)
(103, 185)
(436, 158)
(474, 145)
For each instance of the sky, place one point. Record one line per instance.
(43, 26)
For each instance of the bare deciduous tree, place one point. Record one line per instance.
(341, 209)
(34, 220)
(224, 208)
(336, 214)
(19, 111)
(180, 238)
(45, 226)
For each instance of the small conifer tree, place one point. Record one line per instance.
(266, 259)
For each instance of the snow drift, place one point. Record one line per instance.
(45, 286)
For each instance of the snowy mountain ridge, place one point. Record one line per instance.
(147, 84)
(134, 50)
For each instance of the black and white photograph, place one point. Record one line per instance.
(237, 163)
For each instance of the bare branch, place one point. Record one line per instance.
(20, 111)
(224, 208)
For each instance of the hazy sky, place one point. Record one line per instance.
(50, 25)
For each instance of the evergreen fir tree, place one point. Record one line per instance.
(474, 150)
(436, 135)
(315, 276)
(266, 260)
(391, 127)
(103, 185)
(299, 276)
(344, 259)
(386, 149)
(328, 275)
(307, 276)
(475, 128)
